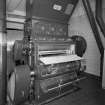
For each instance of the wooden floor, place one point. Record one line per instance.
(89, 94)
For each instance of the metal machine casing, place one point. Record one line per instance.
(54, 65)
(46, 54)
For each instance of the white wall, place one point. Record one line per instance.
(79, 25)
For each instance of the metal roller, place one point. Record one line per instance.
(12, 35)
(17, 49)
(18, 85)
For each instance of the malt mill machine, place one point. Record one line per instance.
(48, 63)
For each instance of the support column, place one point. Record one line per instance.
(3, 53)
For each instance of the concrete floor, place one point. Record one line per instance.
(89, 94)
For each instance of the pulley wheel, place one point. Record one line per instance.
(81, 44)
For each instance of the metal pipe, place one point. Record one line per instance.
(75, 88)
(99, 16)
(101, 23)
(93, 24)
(69, 83)
(95, 31)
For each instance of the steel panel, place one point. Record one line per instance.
(45, 9)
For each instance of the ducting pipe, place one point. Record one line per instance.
(93, 24)
(95, 31)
